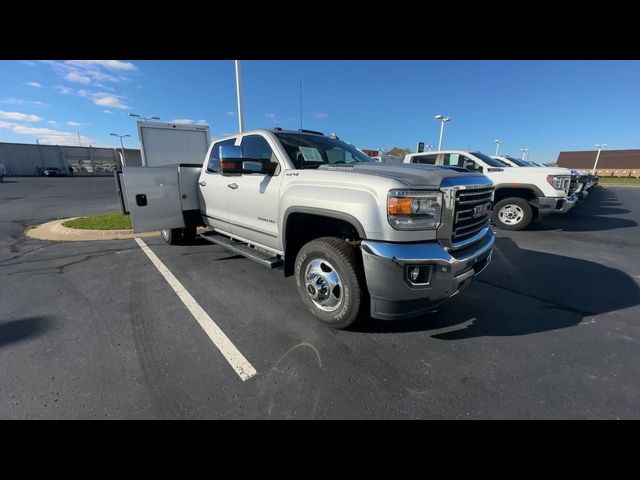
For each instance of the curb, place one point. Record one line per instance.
(56, 232)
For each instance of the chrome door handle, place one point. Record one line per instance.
(233, 186)
(202, 183)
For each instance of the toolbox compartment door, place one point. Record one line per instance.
(153, 198)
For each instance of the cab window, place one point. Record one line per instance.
(453, 160)
(214, 159)
(257, 147)
(425, 159)
(470, 165)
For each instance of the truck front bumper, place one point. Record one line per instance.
(394, 296)
(556, 204)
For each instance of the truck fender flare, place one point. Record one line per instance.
(527, 186)
(324, 213)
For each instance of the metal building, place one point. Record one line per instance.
(32, 159)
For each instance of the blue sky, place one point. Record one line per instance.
(546, 106)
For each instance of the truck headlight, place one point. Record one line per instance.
(414, 209)
(556, 181)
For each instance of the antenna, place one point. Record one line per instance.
(300, 104)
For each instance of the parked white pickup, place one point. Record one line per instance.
(521, 195)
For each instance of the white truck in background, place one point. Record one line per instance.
(580, 181)
(520, 196)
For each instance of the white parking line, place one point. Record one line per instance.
(237, 361)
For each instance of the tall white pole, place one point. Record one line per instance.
(498, 143)
(239, 93)
(441, 134)
(593, 171)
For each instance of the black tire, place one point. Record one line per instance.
(173, 236)
(333, 253)
(525, 213)
(188, 235)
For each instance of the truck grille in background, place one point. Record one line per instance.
(574, 184)
(566, 184)
(465, 226)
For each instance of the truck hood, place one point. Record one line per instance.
(413, 175)
(530, 172)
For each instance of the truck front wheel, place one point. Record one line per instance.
(330, 281)
(512, 213)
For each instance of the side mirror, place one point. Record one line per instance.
(230, 160)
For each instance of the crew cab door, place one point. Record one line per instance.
(254, 198)
(153, 198)
(214, 191)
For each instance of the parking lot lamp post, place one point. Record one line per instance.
(239, 95)
(524, 153)
(599, 146)
(443, 120)
(124, 159)
(137, 115)
(498, 142)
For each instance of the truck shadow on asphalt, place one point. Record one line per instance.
(523, 292)
(592, 215)
(21, 329)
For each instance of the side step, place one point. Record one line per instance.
(243, 249)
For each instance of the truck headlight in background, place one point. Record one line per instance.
(414, 209)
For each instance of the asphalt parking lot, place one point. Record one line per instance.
(92, 330)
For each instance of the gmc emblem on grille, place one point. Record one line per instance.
(480, 210)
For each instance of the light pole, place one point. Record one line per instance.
(239, 95)
(600, 146)
(143, 118)
(443, 120)
(498, 142)
(524, 153)
(124, 159)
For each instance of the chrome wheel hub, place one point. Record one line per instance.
(323, 284)
(511, 214)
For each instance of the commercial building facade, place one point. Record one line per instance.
(612, 163)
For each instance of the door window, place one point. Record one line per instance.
(470, 165)
(426, 159)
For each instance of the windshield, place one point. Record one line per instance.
(311, 151)
(492, 162)
(519, 162)
(503, 162)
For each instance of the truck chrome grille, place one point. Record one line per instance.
(472, 214)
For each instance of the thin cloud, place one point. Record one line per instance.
(270, 115)
(18, 116)
(50, 136)
(74, 124)
(77, 78)
(231, 114)
(34, 84)
(107, 100)
(19, 101)
(64, 90)
(116, 65)
(108, 112)
(320, 115)
(28, 62)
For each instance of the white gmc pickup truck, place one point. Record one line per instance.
(521, 195)
(362, 238)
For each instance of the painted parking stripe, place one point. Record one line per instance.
(237, 361)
